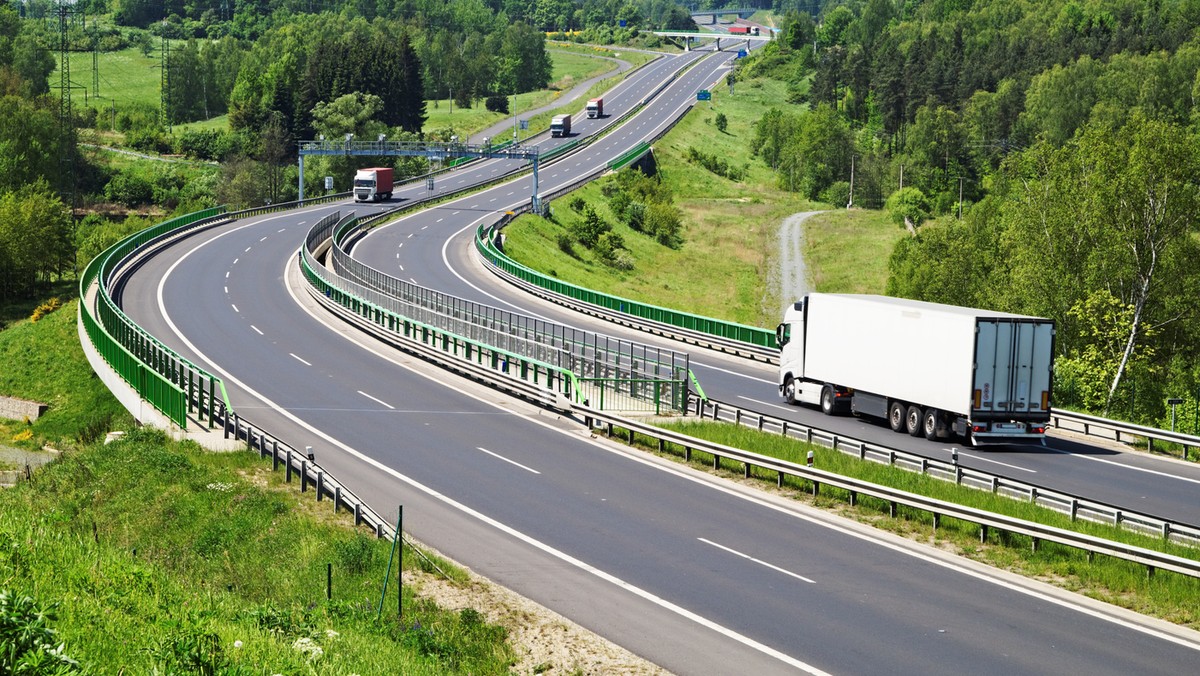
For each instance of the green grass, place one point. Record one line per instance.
(572, 65)
(730, 239)
(125, 77)
(847, 251)
(725, 268)
(177, 553)
(43, 362)
(1165, 595)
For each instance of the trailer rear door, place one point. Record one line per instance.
(1013, 368)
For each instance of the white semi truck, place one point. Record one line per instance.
(930, 370)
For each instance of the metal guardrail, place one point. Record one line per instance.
(1037, 532)
(354, 300)
(1119, 431)
(585, 353)
(1074, 507)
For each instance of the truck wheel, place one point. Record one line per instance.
(789, 391)
(912, 421)
(896, 416)
(828, 400)
(929, 424)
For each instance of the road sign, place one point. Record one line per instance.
(704, 95)
(329, 183)
(741, 54)
(622, 23)
(524, 125)
(429, 183)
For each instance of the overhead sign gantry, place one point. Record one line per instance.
(434, 151)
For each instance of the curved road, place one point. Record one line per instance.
(694, 573)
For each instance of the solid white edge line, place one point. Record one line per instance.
(758, 561)
(511, 462)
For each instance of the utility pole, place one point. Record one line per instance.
(901, 177)
(851, 202)
(960, 183)
(165, 82)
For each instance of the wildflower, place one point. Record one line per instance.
(331, 634)
(309, 647)
(237, 644)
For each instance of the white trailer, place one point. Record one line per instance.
(928, 369)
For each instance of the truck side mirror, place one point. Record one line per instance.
(783, 334)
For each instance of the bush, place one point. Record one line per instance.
(45, 309)
(148, 140)
(608, 244)
(589, 230)
(837, 194)
(204, 144)
(129, 189)
(497, 103)
(577, 204)
(565, 244)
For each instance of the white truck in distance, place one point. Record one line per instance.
(928, 369)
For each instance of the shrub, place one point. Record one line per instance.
(722, 122)
(129, 189)
(607, 246)
(45, 309)
(588, 230)
(837, 194)
(497, 103)
(565, 244)
(577, 204)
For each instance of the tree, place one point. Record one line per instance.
(35, 239)
(908, 207)
(722, 122)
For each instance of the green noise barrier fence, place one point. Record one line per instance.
(752, 335)
(371, 305)
(168, 382)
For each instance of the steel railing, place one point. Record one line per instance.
(1073, 506)
(1123, 432)
(938, 508)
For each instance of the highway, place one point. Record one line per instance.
(695, 573)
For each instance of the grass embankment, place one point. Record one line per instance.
(162, 558)
(1166, 595)
(126, 77)
(570, 68)
(726, 267)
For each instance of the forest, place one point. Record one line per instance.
(1043, 156)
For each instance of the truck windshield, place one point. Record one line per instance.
(364, 183)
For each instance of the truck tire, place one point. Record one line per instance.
(929, 424)
(912, 421)
(896, 416)
(789, 391)
(828, 400)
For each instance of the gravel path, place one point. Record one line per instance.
(793, 273)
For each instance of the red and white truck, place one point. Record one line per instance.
(595, 108)
(739, 29)
(373, 184)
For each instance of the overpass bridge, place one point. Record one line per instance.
(714, 14)
(729, 38)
